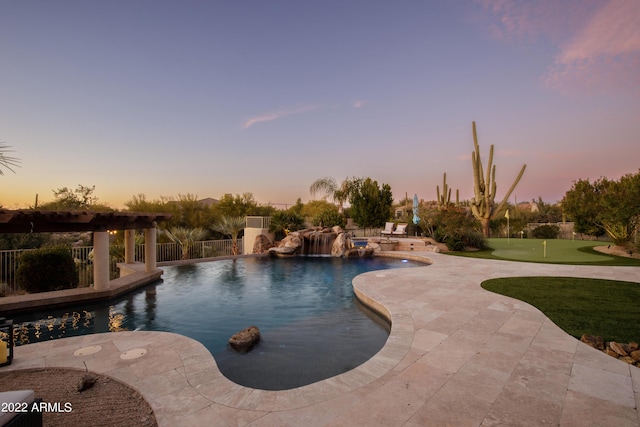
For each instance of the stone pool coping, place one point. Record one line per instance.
(456, 355)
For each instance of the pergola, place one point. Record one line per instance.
(99, 223)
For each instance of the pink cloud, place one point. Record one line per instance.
(512, 20)
(604, 54)
(278, 114)
(358, 104)
(613, 30)
(597, 41)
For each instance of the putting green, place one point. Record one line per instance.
(556, 250)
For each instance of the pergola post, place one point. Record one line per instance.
(150, 250)
(100, 260)
(129, 246)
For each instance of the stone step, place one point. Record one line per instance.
(411, 246)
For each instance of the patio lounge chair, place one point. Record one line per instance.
(388, 229)
(401, 230)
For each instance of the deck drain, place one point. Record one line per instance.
(133, 354)
(85, 351)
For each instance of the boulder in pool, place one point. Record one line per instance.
(244, 340)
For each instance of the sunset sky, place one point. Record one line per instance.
(213, 97)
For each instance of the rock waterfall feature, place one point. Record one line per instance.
(319, 241)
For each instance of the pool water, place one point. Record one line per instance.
(311, 325)
(360, 243)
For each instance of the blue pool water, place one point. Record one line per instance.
(312, 328)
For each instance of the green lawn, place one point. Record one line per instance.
(579, 306)
(556, 252)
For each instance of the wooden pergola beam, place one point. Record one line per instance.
(36, 221)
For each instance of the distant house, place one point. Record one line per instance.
(208, 202)
(528, 206)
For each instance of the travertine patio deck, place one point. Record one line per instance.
(457, 355)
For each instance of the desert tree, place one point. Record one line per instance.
(370, 203)
(605, 206)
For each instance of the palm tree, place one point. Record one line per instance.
(231, 226)
(339, 194)
(326, 185)
(186, 237)
(7, 161)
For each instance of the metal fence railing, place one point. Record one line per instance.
(83, 257)
(9, 266)
(204, 249)
(258, 221)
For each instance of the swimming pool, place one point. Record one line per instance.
(312, 328)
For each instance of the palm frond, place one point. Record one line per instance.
(230, 225)
(326, 185)
(7, 161)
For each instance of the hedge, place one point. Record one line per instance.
(47, 269)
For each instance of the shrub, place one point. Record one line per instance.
(439, 235)
(474, 239)
(460, 241)
(47, 269)
(457, 229)
(546, 231)
(283, 222)
(455, 243)
(329, 218)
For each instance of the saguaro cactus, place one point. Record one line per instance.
(483, 204)
(444, 199)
